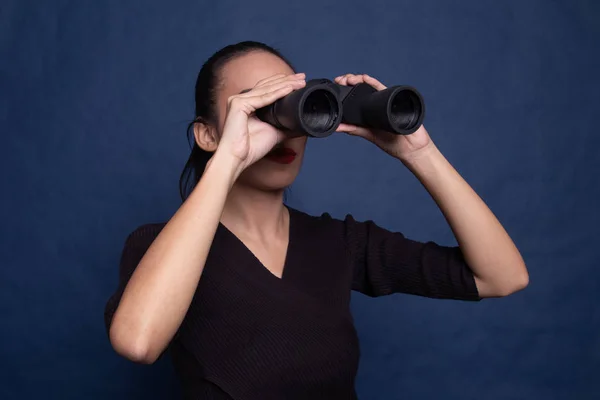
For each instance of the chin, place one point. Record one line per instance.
(268, 176)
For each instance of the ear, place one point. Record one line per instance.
(205, 136)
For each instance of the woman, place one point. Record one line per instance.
(251, 296)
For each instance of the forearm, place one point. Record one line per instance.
(494, 259)
(161, 289)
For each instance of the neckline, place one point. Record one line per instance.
(245, 251)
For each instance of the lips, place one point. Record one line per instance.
(282, 155)
(282, 151)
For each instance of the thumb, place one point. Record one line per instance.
(356, 131)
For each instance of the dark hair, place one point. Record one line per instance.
(206, 110)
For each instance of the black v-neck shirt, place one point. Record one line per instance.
(251, 335)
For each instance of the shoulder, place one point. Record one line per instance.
(324, 221)
(312, 220)
(353, 231)
(325, 218)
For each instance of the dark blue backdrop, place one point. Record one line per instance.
(94, 101)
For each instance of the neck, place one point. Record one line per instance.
(254, 212)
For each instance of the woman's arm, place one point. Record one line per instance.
(494, 259)
(162, 286)
(160, 290)
(496, 263)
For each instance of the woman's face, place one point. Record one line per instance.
(244, 72)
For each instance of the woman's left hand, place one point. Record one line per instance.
(403, 147)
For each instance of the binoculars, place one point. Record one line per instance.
(321, 105)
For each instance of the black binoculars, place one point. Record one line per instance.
(319, 107)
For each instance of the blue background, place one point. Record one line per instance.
(94, 101)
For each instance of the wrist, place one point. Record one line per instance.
(226, 166)
(422, 155)
(428, 166)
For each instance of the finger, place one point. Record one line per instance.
(346, 128)
(252, 103)
(355, 131)
(271, 81)
(299, 75)
(347, 78)
(275, 85)
(373, 82)
(355, 79)
(343, 80)
(270, 78)
(279, 78)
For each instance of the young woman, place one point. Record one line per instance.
(250, 296)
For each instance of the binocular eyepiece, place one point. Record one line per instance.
(319, 107)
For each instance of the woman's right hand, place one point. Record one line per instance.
(246, 138)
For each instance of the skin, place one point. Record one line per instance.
(244, 191)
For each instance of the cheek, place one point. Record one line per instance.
(300, 143)
(221, 114)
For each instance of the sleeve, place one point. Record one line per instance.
(136, 245)
(386, 262)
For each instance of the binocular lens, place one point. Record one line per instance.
(320, 111)
(405, 110)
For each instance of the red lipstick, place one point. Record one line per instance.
(282, 155)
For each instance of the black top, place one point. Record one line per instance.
(251, 335)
